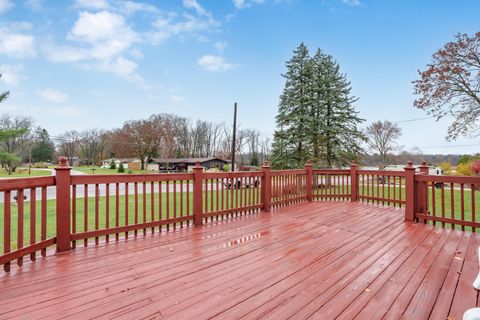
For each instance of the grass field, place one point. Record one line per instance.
(23, 172)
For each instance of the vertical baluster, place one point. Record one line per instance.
(188, 201)
(452, 205)
(144, 204)
(152, 204)
(205, 197)
(462, 205)
(217, 200)
(33, 220)
(43, 229)
(434, 205)
(117, 209)
(174, 203)
(400, 191)
(20, 222)
(472, 186)
(135, 189)
(443, 204)
(107, 210)
(383, 190)
(211, 198)
(126, 208)
(388, 190)
(395, 190)
(6, 227)
(160, 200)
(97, 213)
(85, 212)
(181, 202)
(167, 202)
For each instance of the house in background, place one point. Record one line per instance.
(128, 163)
(186, 164)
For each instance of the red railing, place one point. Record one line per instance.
(67, 210)
(448, 201)
(332, 185)
(24, 223)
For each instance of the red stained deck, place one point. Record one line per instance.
(322, 260)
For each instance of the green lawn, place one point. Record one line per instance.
(23, 172)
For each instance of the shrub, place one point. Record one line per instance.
(40, 165)
(130, 171)
(446, 166)
(113, 165)
(121, 168)
(464, 169)
(475, 166)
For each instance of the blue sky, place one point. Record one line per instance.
(97, 63)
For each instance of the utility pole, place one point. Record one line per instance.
(234, 135)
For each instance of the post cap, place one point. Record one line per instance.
(409, 166)
(197, 164)
(353, 163)
(424, 163)
(265, 164)
(62, 161)
(410, 163)
(309, 163)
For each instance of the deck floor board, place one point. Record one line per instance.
(321, 260)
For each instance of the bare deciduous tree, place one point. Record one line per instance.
(382, 137)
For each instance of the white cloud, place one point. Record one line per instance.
(352, 2)
(242, 4)
(100, 26)
(15, 44)
(214, 63)
(177, 99)
(5, 5)
(11, 74)
(131, 7)
(172, 25)
(53, 95)
(220, 45)
(92, 4)
(34, 5)
(193, 4)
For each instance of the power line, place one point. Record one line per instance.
(417, 119)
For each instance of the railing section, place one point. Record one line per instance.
(231, 194)
(448, 201)
(331, 185)
(288, 187)
(106, 206)
(28, 221)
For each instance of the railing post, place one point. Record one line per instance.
(422, 191)
(309, 181)
(197, 194)
(353, 182)
(266, 187)
(409, 192)
(62, 186)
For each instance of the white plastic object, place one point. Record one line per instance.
(472, 314)
(476, 282)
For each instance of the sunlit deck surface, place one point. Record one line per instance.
(323, 260)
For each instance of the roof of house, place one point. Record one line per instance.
(187, 160)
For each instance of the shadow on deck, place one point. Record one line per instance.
(322, 260)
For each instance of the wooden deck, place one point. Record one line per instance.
(323, 260)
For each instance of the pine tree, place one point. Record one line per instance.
(43, 147)
(121, 168)
(290, 147)
(334, 118)
(316, 119)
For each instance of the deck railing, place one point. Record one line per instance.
(67, 211)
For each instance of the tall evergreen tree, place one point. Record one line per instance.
(316, 118)
(43, 147)
(290, 147)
